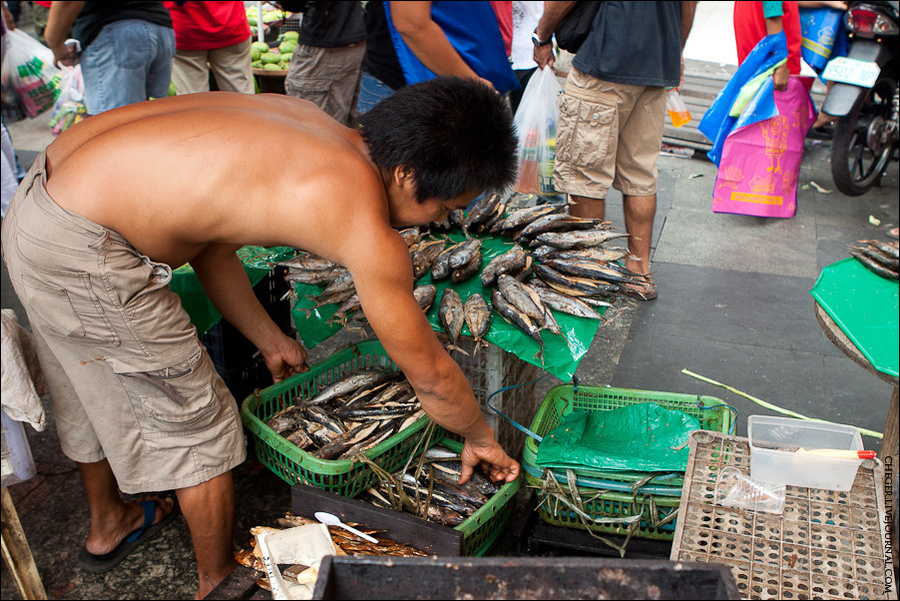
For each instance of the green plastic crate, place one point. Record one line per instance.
(617, 494)
(482, 528)
(292, 464)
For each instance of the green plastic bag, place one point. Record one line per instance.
(641, 437)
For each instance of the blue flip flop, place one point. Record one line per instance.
(98, 564)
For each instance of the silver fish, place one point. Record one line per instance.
(582, 239)
(358, 379)
(565, 304)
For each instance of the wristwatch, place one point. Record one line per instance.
(537, 40)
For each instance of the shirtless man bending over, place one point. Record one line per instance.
(120, 199)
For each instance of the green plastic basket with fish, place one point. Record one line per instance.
(292, 464)
(482, 528)
(641, 503)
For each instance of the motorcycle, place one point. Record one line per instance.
(865, 97)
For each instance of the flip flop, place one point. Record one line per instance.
(99, 564)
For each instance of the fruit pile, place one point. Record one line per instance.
(270, 14)
(275, 58)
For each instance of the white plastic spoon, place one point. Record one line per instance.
(329, 519)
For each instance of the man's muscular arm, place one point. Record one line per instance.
(384, 281)
(225, 282)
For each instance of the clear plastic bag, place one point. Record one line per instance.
(535, 122)
(29, 69)
(69, 108)
(734, 489)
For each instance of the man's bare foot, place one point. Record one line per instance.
(111, 530)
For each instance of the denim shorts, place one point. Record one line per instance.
(371, 91)
(129, 381)
(129, 61)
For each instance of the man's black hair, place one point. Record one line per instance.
(455, 135)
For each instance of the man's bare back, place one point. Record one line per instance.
(180, 180)
(226, 168)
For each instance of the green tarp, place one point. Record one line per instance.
(643, 437)
(561, 354)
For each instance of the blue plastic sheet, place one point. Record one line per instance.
(717, 123)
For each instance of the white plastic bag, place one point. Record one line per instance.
(535, 123)
(29, 69)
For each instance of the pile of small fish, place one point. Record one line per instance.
(430, 490)
(878, 257)
(559, 262)
(346, 543)
(351, 415)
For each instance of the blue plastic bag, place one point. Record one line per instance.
(823, 36)
(717, 123)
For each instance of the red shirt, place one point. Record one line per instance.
(208, 25)
(503, 10)
(750, 28)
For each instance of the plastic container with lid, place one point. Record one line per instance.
(774, 442)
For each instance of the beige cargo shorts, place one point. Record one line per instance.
(128, 378)
(609, 135)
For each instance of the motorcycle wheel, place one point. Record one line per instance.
(855, 165)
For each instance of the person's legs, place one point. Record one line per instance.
(639, 213)
(589, 208)
(329, 77)
(209, 510)
(589, 115)
(231, 66)
(640, 138)
(190, 71)
(112, 519)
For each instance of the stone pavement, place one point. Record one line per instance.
(734, 305)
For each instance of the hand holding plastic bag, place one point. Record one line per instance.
(28, 68)
(535, 123)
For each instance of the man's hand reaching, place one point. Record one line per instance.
(288, 359)
(492, 460)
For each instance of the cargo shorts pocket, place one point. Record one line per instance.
(73, 312)
(586, 131)
(178, 405)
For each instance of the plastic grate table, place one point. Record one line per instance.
(826, 545)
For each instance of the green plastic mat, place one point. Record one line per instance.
(643, 437)
(865, 306)
(561, 354)
(257, 262)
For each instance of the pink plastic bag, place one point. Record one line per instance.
(761, 162)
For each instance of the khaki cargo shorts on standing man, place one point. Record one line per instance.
(609, 135)
(128, 378)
